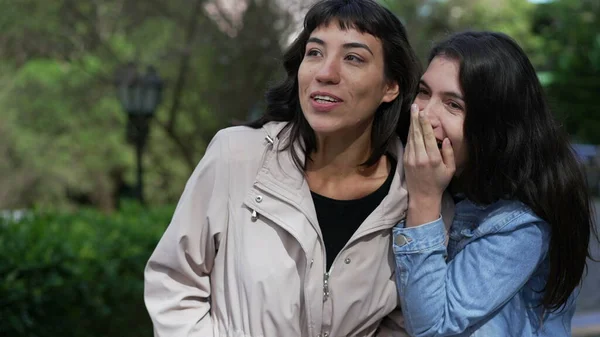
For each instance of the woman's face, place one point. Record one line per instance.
(440, 94)
(341, 80)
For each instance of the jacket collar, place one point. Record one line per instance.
(281, 176)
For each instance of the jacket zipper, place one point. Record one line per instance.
(327, 274)
(254, 217)
(255, 214)
(326, 286)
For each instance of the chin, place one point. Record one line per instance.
(323, 124)
(324, 129)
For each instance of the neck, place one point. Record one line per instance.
(341, 154)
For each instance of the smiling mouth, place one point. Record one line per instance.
(324, 99)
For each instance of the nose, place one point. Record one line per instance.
(433, 110)
(329, 72)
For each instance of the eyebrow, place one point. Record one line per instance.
(445, 93)
(348, 45)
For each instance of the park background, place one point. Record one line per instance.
(74, 237)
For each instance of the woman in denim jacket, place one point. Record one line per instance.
(516, 251)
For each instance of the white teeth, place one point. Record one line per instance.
(325, 98)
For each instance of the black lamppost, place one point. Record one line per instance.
(139, 94)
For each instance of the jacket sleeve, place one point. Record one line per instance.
(393, 324)
(443, 299)
(177, 277)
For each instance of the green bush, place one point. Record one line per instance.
(77, 274)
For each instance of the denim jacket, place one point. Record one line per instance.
(488, 281)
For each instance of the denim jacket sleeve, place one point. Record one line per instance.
(442, 299)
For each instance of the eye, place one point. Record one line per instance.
(423, 91)
(354, 58)
(455, 106)
(313, 52)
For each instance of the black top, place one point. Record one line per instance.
(339, 219)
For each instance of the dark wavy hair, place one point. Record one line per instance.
(517, 150)
(401, 66)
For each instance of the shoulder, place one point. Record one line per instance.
(509, 226)
(242, 143)
(241, 147)
(501, 216)
(238, 139)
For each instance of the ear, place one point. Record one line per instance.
(391, 91)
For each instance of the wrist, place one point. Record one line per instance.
(423, 210)
(422, 203)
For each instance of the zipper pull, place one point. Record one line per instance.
(326, 287)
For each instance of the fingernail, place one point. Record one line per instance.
(414, 107)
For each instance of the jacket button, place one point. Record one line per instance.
(259, 198)
(347, 260)
(401, 240)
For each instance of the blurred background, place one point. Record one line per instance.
(106, 106)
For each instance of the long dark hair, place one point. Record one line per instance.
(401, 66)
(517, 150)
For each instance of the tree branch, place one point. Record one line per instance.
(183, 68)
(183, 148)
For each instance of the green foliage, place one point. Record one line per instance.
(78, 274)
(64, 142)
(571, 29)
(62, 131)
(428, 22)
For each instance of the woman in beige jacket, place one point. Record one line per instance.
(284, 228)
